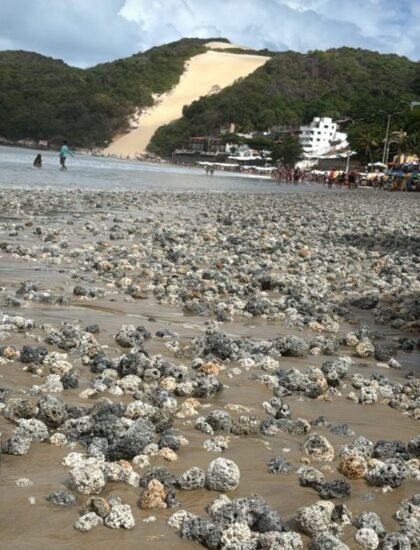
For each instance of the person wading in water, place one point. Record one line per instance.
(38, 161)
(64, 153)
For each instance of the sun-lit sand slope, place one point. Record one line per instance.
(225, 46)
(205, 73)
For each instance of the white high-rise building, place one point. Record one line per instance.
(320, 136)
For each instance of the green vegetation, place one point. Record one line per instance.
(43, 98)
(292, 88)
(288, 151)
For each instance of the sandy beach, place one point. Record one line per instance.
(222, 326)
(204, 74)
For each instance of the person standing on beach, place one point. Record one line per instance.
(64, 153)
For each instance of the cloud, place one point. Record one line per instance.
(84, 32)
(300, 25)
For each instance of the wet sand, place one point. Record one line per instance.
(42, 525)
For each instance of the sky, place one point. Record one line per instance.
(87, 32)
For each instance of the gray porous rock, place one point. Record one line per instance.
(389, 449)
(228, 259)
(163, 419)
(178, 518)
(218, 504)
(368, 395)
(104, 425)
(367, 538)
(17, 407)
(279, 465)
(384, 353)
(335, 370)
(339, 488)
(222, 475)
(93, 329)
(87, 522)
(396, 541)
(370, 520)
(32, 429)
(4, 392)
(206, 385)
(61, 498)
(128, 336)
(340, 516)
(16, 445)
(83, 425)
(343, 430)
(70, 380)
(365, 301)
(139, 434)
(315, 383)
(79, 290)
(292, 346)
(277, 408)
(310, 477)
(33, 354)
(216, 444)
(220, 421)
(88, 479)
(327, 541)
(293, 379)
(194, 478)
(219, 345)
(387, 473)
(318, 448)
(252, 510)
(52, 411)
(246, 425)
(162, 474)
(270, 520)
(120, 516)
(236, 535)
(360, 446)
(413, 446)
(273, 540)
(171, 438)
(296, 426)
(408, 517)
(134, 362)
(315, 519)
(202, 531)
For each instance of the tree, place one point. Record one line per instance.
(288, 151)
(366, 140)
(260, 143)
(233, 138)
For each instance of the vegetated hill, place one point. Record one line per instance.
(292, 88)
(43, 98)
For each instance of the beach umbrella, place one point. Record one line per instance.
(397, 173)
(378, 164)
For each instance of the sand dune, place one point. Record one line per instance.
(204, 74)
(225, 46)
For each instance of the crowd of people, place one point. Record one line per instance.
(398, 179)
(329, 177)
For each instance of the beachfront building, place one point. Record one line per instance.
(320, 136)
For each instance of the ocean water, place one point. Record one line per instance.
(85, 172)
